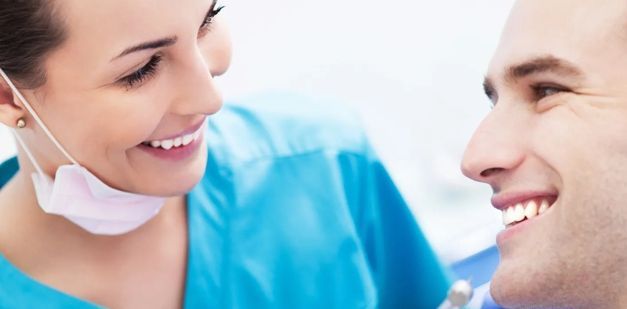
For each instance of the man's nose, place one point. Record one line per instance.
(496, 148)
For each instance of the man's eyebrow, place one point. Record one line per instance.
(536, 65)
(542, 65)
(148, 45)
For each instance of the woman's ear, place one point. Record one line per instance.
(10, 109)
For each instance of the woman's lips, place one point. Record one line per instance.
(184, 138)
(176, 153)
(176, 148)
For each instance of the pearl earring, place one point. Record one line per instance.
(21, 123)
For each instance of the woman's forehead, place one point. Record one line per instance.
(98, 31)
(116, 24)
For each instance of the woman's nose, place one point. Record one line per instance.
(196, 87)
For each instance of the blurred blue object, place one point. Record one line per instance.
(488, 303)
(295, 210)
(479, 268)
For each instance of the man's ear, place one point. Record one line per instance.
(10, 108)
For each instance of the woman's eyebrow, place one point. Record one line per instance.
(148, 45)
(165, 42)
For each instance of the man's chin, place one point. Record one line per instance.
(504, 295)
(513, 287)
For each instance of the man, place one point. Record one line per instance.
(554, 151)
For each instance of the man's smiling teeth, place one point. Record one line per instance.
(168, 144)
(521, 211)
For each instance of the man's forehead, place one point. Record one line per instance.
(575, 10)
(567, 19)
(564, 32)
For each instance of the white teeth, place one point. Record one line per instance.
(531, 210)
(520, 212)
(511, 216)
(187, 139)
(167, 144)
(176, 142)
(543, 207)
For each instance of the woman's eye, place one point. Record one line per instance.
(140, 76)
(206, 24)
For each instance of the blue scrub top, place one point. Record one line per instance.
(294, 211)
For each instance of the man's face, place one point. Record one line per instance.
(558, 135)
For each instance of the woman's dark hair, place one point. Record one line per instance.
(29, 30)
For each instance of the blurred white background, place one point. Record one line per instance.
(412, 69)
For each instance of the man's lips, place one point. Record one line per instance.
(502, 201)
(517, 207)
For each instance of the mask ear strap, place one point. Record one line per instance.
(29, 154)
(37, 119)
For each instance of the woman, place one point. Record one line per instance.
(261, 205)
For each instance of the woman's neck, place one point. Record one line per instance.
(55, 252)
(26, 230)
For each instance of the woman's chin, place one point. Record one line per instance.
(170, 178)
(173, 183)
(174, 187)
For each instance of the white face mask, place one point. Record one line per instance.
(78, 195)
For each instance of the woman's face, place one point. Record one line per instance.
(131, 73)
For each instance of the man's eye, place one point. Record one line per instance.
(543, 91)
(492, 98)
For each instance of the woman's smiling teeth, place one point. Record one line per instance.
(168, 144)
(523, 211)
